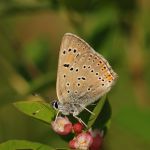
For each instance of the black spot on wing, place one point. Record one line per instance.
(71, 69)
(66, 65)
(74, 50)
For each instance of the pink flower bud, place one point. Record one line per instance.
(77, 128)
(97, 140)
(83, 141)
(73, 144)
(62, 125)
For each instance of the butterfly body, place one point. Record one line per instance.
(68, 108)
(83, 75)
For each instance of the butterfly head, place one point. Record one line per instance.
(65, 109)
(55, 104)
(60, 107)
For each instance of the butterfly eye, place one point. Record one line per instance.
(55, 104)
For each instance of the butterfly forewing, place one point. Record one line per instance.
(70, 52)
(83, 74)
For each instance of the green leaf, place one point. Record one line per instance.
(96, 111)
(23, 145)
(104, 118)
(36, 109)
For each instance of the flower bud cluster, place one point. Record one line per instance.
(83, 140)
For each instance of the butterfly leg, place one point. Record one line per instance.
(80, 120)
(86, 109)
(57, 115)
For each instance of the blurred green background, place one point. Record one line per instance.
(30, 36)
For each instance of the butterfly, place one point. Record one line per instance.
(83, 76)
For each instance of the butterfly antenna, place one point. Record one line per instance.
(41, 96)
(35, 94)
